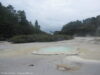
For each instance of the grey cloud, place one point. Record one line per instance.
(53, 14)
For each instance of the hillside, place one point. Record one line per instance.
(89, 26)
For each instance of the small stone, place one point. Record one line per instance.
(31, 65)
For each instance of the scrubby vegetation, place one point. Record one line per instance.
(89, 26)
(15, 28)
(14, 23)
(38, 38)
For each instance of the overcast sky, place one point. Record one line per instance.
(53, 14)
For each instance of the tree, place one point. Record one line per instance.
(11, 9)
(89, 26)
(14, 23)
(37, 25)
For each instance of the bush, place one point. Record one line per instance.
(38, 38)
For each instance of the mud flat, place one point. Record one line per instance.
(17, 59)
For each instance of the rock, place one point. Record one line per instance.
(31, 65)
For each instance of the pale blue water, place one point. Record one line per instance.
(57, 49)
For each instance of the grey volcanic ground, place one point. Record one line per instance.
(17, 59)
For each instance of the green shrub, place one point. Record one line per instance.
(38, 38)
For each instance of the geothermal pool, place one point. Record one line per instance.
(55, 50)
